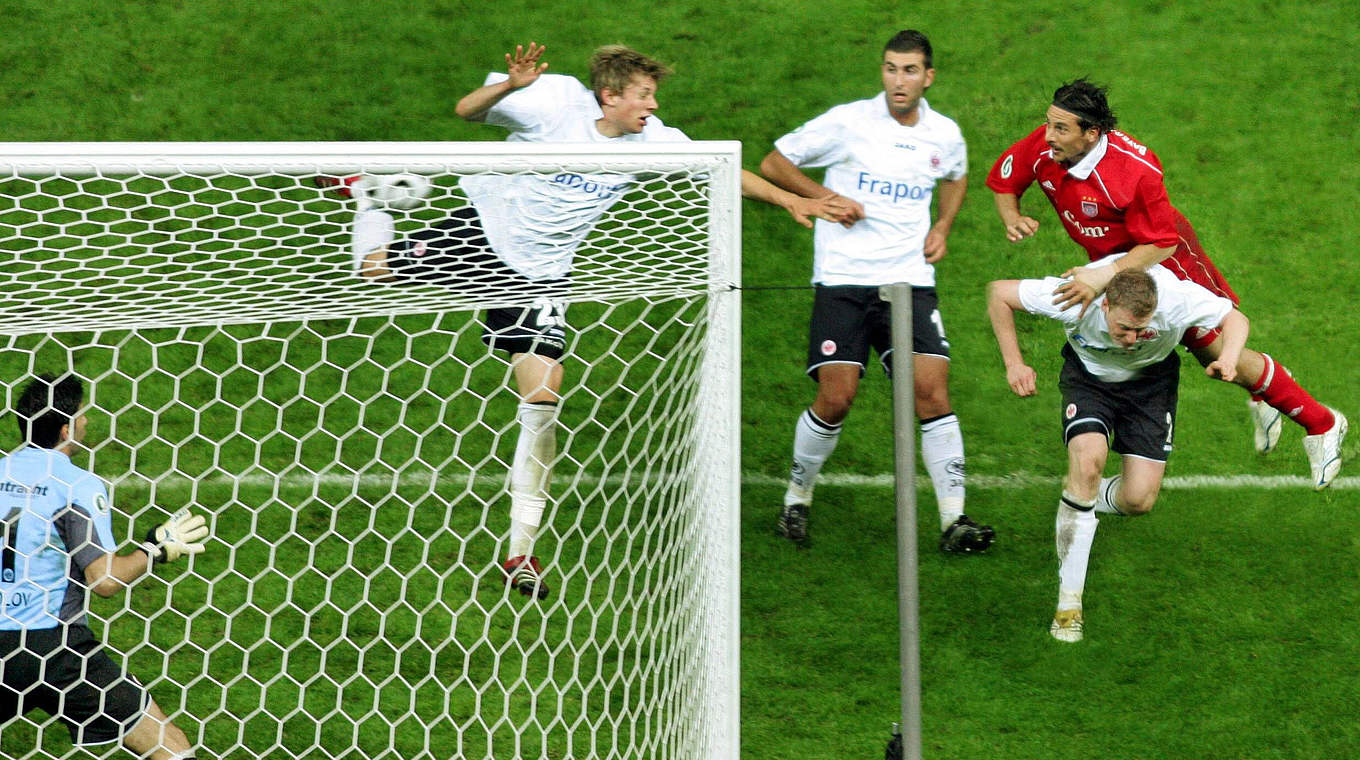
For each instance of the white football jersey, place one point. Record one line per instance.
(1181, 304)
(891, 170)
(535, 223)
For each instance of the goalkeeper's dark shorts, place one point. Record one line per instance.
(1140, 414)
(65, 673)
(455, 252)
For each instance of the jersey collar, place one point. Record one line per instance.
(1083, 168)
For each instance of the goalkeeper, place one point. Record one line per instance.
(519, 236)
(57, 543)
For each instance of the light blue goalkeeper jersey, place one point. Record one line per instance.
(54, 520)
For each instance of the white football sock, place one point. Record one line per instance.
(1107, 496)
(813, 442)
(373, 230)
(1075, 530)
(530, 473)
(942, 453)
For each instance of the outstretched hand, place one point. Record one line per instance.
(1081, 289)
(1225, 371)
(833, 208)
(523, 66)
(182, 534)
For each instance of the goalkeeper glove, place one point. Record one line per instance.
(182, 534)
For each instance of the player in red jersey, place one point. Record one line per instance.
(1110, 196)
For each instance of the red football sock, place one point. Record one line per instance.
(1278, 388)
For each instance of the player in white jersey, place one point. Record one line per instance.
(1119, 381)
(521, 232)
(886, 155)
(56, 543)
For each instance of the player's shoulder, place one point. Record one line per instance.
(1131, 152)
(937, 119)
(76, 478)
(855, 111)
(552, 89)
(656, 130)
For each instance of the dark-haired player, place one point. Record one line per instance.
(56, 543)
(1108, 191)
(887, 154)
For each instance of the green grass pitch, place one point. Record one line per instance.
(1223, 625)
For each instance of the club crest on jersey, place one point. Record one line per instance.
(1070, 411)
(828, 347)
(935, 160)
(418, 249)
(1089, 208)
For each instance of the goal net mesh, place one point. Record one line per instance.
(349, 442)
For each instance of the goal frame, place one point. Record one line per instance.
(717, 478)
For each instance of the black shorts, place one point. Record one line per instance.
(1140, 414)
(74, 680)
(848, 320)
(538, 329)
(456, 252)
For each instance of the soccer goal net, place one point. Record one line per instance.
(349, 441)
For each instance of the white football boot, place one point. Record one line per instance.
(1066, 626)
(1269, 423)
(1324, 452)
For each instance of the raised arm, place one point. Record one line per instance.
(523, 68)
(951, 193)
(1003, 300)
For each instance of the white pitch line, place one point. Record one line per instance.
(1029, 479)
(1011, 481)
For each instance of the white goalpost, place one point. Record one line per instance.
(349, 442)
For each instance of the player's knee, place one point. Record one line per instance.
(932, 402)
(1139, 506)
(1137, 501)
(1084, 474)
(832, 408)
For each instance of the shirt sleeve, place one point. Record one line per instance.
(818, 143)
(956, 160)
(531, 109)
(1150, 218)
(1013, 171)
(86, 525)
(1036, 296)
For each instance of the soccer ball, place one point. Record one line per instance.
(400, 191)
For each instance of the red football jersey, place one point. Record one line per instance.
(1109, 202)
